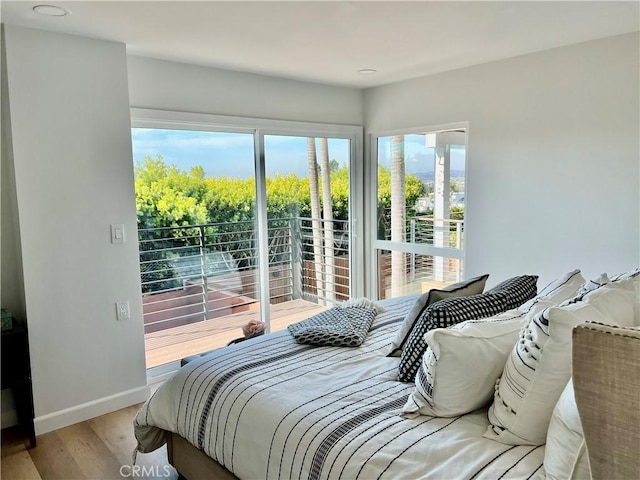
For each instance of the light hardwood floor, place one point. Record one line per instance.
(98, 449)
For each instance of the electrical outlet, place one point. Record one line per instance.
(122, 310)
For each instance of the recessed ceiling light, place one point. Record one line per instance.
(367, 71)
(51, 10)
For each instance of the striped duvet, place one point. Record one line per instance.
(271, 408)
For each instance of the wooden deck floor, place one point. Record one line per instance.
(176, 343)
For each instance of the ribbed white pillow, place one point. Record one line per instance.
(539, 366)
(565, 455)
(634, 276)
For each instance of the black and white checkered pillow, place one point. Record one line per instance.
(337, 327)
(471, 286)
(517, 290)
(508, 295)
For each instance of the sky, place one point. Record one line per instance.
(417, 156)
(231, 154)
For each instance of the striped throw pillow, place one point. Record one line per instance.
(539, 365)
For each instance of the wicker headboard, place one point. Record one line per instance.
(606, 378)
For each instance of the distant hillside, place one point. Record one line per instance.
(428, 176)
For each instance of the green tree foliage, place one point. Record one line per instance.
(288, 196)
(228, 199)
(414, 189)
(165, 197)
(457, 213)
(169, 197)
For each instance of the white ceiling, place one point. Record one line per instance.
(328, 41)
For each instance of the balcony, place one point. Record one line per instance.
(200, 283)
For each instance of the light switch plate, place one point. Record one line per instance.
(117, 233)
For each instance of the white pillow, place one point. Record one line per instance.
(461, 365)
(539, 365)
(562, 288)
(633, 275)
(565, 455)
(592, 284)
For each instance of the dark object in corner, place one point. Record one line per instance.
(16, 374)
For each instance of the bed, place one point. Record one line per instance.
(272, 408)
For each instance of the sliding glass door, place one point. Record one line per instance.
(237, 225)
(308, 205)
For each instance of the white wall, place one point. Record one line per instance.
(166, 85)
(71, 141)
(553, 175)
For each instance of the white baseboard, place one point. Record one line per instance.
(80, 413)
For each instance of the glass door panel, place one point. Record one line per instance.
(196, 206)
(420, 211)
(307, 187)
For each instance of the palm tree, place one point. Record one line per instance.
(327, 216)
(398, 220)
(315, 215)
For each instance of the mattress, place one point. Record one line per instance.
(271, 408)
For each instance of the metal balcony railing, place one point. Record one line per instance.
(433, 269)
(439, 232)
(200, 272)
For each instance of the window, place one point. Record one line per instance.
(419, 209)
